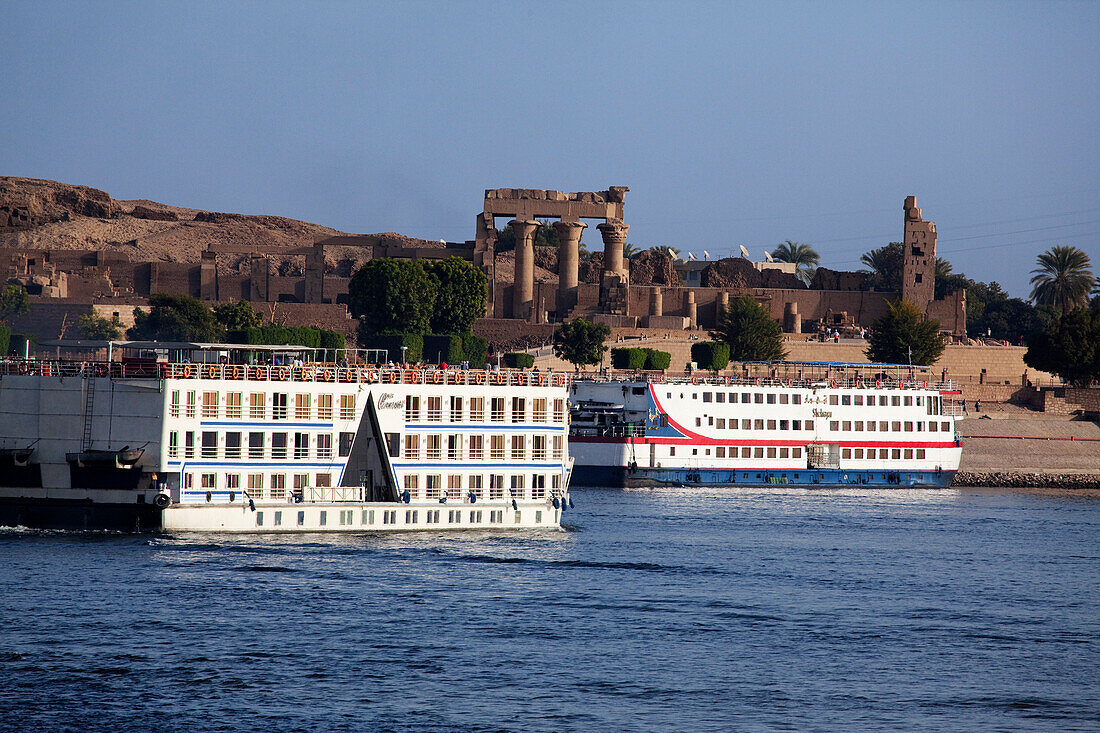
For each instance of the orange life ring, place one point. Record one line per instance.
(209, 371)
(859, 384)
(695, 380)
(727, 379)
(326, 375)
(878, 384)
(559, 380)
(789, 382)
(372, 376)
(412, 376)
(233, 372)
(498, 378)
(391, 377)
(188, 371)
(24, 367)
(759, 381)
(280, 373)
(832, 383)
(435, 377)
(478, 376)
(254, 372)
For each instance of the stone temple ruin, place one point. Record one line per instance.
(834, 299)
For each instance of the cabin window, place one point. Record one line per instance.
(757, 424)
(733, 398)
(496, 486)
(721, 424)
(719, 396)
(233, 405)
(412, 485)
(784, 452)
(454, 447)
(232, 445)
(895, 426)
(859, 453)
(173, 444)
(945, 426)
(346, 440)
(301, 446)
(303, 407)
(895, 453)
(719, 452)
(708, 397)
(433, 485)
(858, 400)
(809, 424)
(771, 452)
(784, 398)
(538, 410)
(519, 447)
(909, 453)
(538, 447)
(278, 519)
(933, 427)
(278, 446)
(477, 409)
(324, 407)
(872, 425)
(908, 401)
(757, 452)
(257, 409)
(433, 447)
(796, 453)
(883, 426)
(477, 447)
(519, 491)
(496, 447)
(456, 409)
(908, 426)
(301, 481)
(796, 399)
(412, 408)
(324, 445)
(190, 405)
(301, 519)
(256, 485)
(834, 425)
(784, 425)
(758, 398)
(174, 404)
(895, 401)
(538, 486)
(771, 398)
(920, 454)
(435, 409)
(771, 424)
(208, 481)
(846, 425)
(671, 450)
(255, 445)
(278, 406)
(347, 407)
(746, 452)
(278, 486)
(834, 399)
(496, 409)
(846, 453)
(209, 444)
(474, 484)
(519, 409)
(558, 446)
(846, 399)
(746, 397)
(232, 481)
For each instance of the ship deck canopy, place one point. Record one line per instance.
(190, 351)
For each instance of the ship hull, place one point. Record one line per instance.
(623, 477)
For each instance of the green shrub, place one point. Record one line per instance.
(710, 355)
(5, 340)
(392, 343)
(657, 360)
(439, 348)
(475, 349)
(518, 361)
(631, 358)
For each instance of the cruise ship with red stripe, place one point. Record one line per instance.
(820, 424)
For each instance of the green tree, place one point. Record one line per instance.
(391, 295)
(581, 342)
(1069, 347)
(802, 255)
(1063, 279)
(97, 328)
(460, 295)
(901, 336)
(750, 331)
(885, 264)
(238, 316)
(176, 318)
(545, 236)
(947, 281)
(629, 250)
(13, 301)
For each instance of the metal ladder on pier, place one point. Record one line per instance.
(89, 404)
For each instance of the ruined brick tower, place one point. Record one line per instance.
(918, 272)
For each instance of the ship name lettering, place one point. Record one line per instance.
(388, 402)
(822, 413)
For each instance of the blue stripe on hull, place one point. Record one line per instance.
(620, 477)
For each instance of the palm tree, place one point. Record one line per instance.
(672, 252)
(803, 256)
(885, 264)
(1062, 279)
(629, 250)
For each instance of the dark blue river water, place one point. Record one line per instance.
(659, 610)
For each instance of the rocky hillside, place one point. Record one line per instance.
(39, 214)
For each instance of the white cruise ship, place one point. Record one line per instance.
(197, 442)
(799, 423)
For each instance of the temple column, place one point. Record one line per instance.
(656, 302)
(523, 293)
(614, 232)
(569, 244)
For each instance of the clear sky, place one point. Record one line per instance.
(733, 123)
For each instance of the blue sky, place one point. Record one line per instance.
(733, 123)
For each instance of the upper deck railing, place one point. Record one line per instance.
(318, 372)
(813, 383)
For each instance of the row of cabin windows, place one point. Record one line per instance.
(783, 398)
(260, 405)
(367, 517)
(459, 409)
(256, 445)
(436, 485)
(722, 423)
(473, 447)
(884, 453)
(892, 426)
(257, 485)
